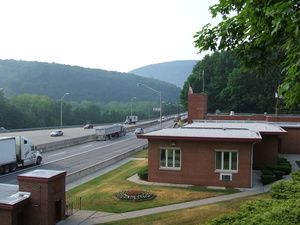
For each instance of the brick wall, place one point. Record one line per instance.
(266, 152)
(14, 214)
(254, 117)
(6, 216)
(198, 164)
(290, 143)
(47, 200)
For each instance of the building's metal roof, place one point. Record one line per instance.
(218, 130)
(225, 134)
(10, 194)
(262, 127)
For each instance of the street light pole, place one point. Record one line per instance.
(131, 104)
(61, 109)
(158, 92)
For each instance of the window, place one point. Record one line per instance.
(170, 158)
(227, 161)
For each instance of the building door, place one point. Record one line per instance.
(58, 210)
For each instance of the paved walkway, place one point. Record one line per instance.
(84, 217)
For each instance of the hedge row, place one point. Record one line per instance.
(272, 173)
(283, 208)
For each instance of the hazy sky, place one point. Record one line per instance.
(118, 35)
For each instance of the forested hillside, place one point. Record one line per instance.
(175, 72)
(230, 88)
(82, 84)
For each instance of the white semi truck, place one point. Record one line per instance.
(110, 131)
(131, 119)
(17, 151)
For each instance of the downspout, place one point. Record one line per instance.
(251, 174)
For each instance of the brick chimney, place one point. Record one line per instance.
(197, 107)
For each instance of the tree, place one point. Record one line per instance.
(216, 68)
(229, 87)
(263, 34)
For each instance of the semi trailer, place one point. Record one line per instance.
(107, 132)
(17, 151)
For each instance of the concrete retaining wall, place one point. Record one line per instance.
(93, 168)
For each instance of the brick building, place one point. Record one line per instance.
(38, 199)
(215, 150)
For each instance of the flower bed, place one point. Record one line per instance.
(134, 195)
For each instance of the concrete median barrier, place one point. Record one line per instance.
(93, 168)
(65, 143)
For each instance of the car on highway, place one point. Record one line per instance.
(56, 133)
(3, 130)
(88, 126)
(139, 131)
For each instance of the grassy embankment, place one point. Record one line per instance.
(98, 194)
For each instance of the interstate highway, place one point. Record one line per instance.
(75, 158)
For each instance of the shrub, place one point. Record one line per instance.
(285, 164)
(267, 172)
(267, 179)
(296, 175)
(271, 167)
(278, 174)
(285, 168)
(285, 190)
(143, 173)
(270, 211)
(282, 160)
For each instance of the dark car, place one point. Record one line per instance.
(88, 126)
(56, 133)
(139, 131)
(3, 130)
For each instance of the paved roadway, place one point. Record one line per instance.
(72, 159)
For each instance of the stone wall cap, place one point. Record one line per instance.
(42, 173)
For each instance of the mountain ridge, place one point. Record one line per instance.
(83, 84)
(175, 72)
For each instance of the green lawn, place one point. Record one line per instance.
(197, 215)
(98, 194)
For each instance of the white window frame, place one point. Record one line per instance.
(167, 167)
(230, 161)
(226, 174)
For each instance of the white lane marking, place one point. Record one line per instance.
(86, 146)
(56, 154)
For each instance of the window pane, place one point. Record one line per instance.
(177, 158)
(170, 158)
(218, 160)
(226, 160)
(163, 158)
(233, 160)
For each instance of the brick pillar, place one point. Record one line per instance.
(48, 199)
(197, 107)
